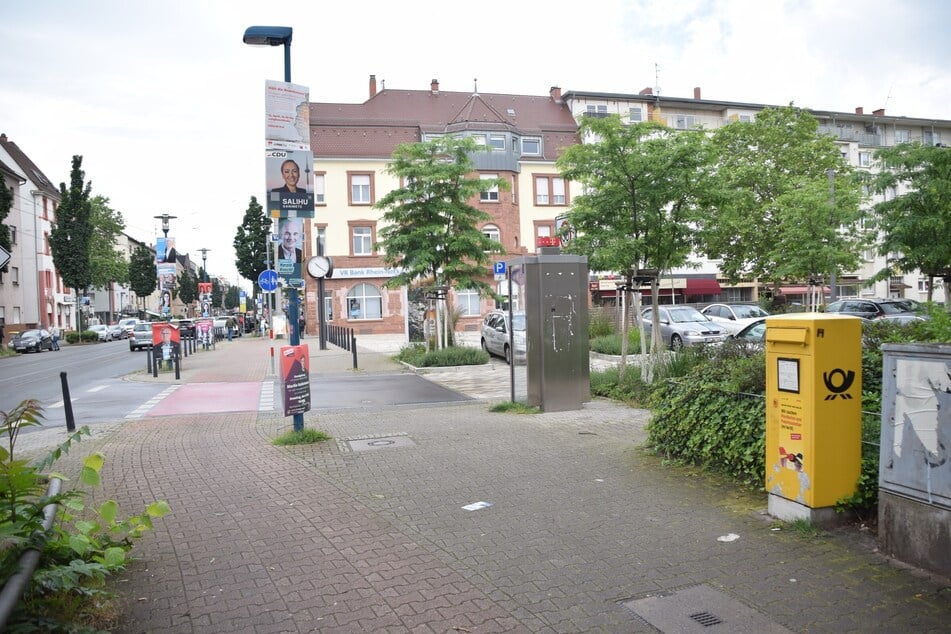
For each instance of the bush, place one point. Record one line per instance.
(600, 325)
(72, 336)
(611, 343)
(416, 356)
(88, 336)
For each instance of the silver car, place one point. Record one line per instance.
(684, 326)
(495, 337)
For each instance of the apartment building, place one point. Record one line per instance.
(522, 135)
(858, 134)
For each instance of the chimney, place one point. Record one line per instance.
(647, 91)
(372, 86)
(696, 93)
(434, 86)
(879, 113)
(859, 110)
(555, 93)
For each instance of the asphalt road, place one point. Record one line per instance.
(94, 375)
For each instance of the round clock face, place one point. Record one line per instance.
(319, 266)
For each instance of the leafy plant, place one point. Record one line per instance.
(82, 548)
(514, 408)
(416, 356)
(306, 436)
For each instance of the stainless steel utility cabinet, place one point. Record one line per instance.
(553, 293)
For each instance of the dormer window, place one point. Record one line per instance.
(531, 146)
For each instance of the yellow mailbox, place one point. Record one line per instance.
(813, 413)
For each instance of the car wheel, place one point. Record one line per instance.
(508, 355)
(485, 348)
(676, 343)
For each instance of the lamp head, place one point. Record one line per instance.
(268, 35)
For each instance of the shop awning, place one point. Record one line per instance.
(702, 286)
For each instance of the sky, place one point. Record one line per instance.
(165, 103)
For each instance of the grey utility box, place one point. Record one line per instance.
(914, 498)
(552, 291)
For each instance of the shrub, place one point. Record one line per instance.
(600, 325)
(416, 356)
(611, 343)
(72, 336)
(88, 335)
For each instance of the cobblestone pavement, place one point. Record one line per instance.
(572, 526)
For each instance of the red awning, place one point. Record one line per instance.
(702, 286)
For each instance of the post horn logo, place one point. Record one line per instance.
(844, 382)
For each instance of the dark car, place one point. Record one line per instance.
(870, 308)
(186, 327)
(36, 340)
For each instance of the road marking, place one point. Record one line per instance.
(266, 401)
(97, 388)
(58, 404)
(143, 409)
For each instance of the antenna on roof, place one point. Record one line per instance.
(888, 97)
(657, 79)
(475, 85)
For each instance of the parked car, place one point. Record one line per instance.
(684, 326)
(103, 331)
(127, 325)
(871, 308)
(141, 336)
(753, 333)
(495, 337)
(186, 327)
(116, 332)
(734, 317)
(36, 340)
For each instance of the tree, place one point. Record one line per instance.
(771, 216)
(251, 240)
(217, 293)
(233, 298)
(916, 225)
(642, 183)
(187, 287)
(431, 232)
(70, 236)
(6, 204)
(142, 275)
(106, 263)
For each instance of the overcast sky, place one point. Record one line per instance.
(166, 104)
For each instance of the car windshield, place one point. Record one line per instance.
(31, 333)
(518, 321)
(747, 312)
(892, 308)
(685, 315)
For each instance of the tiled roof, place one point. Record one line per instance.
(29, 169)
(374, 128)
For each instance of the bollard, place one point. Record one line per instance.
(67, 404)
(178, 373)
(155, 362)
(148, 360)
(353, 343)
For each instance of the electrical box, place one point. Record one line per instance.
(813, 413)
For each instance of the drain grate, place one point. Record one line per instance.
(706, 619)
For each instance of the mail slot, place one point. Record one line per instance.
(813, 413)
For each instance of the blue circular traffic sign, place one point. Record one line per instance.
(267, 280)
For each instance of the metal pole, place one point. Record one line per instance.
(321, 316)
(833, 282)
(67, 403)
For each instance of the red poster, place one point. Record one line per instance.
(295, 370)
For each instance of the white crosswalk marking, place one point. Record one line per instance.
(143, 409)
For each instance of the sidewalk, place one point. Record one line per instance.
(578, 530)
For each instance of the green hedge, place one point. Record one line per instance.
(416, 356)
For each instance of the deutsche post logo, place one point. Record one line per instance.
(838, 382)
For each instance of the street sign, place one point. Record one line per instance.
(267, 280)
(4, 257)
(499, 268)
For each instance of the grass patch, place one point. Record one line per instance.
(416, 356)
(514, 408)
(306, 436)
(806, 529)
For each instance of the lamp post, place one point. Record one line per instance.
(165, 218)
(277, 36)
(204, 265)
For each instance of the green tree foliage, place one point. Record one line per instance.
(187, 287)
(916, 225)
(71, 235)
(642, 182)
(250, 241)
(217, 293)
(6, 204)
(142, 276)
(773, 194)
(107, 264)
(431, 231)
(233, 297)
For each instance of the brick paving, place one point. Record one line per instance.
(326, 538)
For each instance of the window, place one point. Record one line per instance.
(361, 188)
(532, 146)
(321, 240)
(15, 274)
(550, 190)
(865, 158)
(596, 111)
(479, 139)
(637, 114)
(497, 142)
(492, 194)
(514, 190)
(468, 302)
(364, 302)
(328, 305)
(13, 235)
(543, 231)
(362, 240)
(492, 233)
(902, 136)
(922, 285)
(684, 121)
(319, 188)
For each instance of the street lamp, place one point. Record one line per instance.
(276, 36)
(165, 218)
(204, 266)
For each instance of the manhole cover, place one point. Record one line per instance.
(701, 609)
(385, 442)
